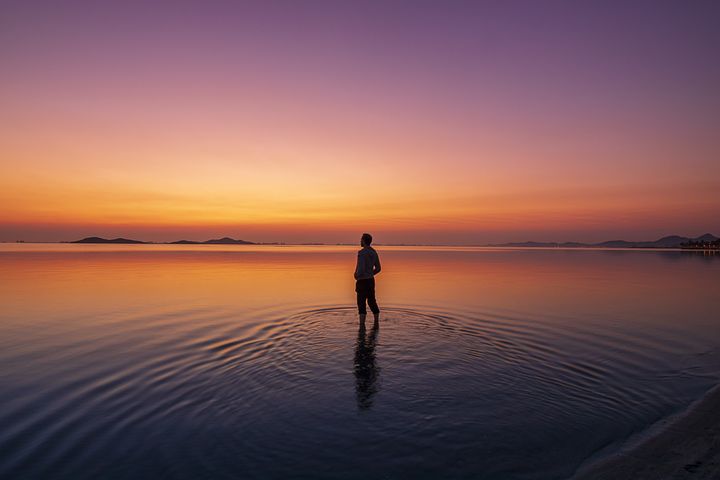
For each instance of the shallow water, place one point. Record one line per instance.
(248, 362)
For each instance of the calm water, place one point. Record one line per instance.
(135, 362)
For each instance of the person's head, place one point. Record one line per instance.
(365, 240)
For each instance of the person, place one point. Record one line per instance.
(368, 265)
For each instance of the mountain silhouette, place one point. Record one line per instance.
(708, 237)
(227, 241)
(671, 241)
(215, 241)
(106, 240)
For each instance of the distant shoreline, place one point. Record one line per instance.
(686, 446)
(706, 242)
(389, 245)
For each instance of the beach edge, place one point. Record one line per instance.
(687, 447)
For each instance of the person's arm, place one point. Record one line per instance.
(360, 265)
(376, 267)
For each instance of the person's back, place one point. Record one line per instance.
(367, 261)
(368, 265)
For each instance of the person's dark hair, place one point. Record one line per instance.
(367, 238)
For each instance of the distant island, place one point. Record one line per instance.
(707, 241)
(703, 242)
(215, 241)
(107, 240)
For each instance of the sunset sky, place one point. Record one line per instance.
(451, 122)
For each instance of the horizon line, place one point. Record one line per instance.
(510, 244)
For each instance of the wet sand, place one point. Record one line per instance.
(687, 448)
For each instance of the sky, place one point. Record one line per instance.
(448, 122)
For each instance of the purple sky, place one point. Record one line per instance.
(454, 122)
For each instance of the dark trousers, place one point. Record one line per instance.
(365, 289)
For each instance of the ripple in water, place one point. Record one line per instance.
(421, 394)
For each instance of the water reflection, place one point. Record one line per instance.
(365, 368)
(515, 363)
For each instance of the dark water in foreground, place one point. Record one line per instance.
(134, 362)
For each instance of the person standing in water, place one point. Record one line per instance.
(368, 265)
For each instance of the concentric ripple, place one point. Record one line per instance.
(428, 393)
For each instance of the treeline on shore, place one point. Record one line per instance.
(701, 245)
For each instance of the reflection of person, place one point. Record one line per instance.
(366, 370)
(368, 265)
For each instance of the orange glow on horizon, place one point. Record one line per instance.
(316, 141)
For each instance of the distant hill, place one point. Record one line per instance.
(612, 244)
(106, 240)
(216, 241)
(707, 238)
(227, 241)
(671, 241)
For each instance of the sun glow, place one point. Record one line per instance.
(280, 140)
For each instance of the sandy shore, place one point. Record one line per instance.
(687, 448)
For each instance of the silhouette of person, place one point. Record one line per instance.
(366, 370)
(368, 265)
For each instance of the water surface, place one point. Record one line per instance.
(249, 362)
